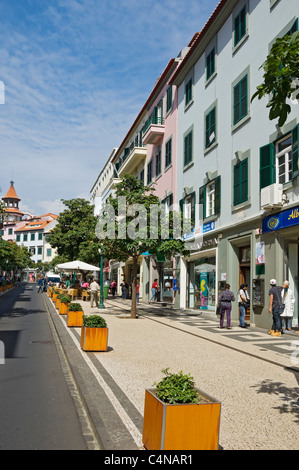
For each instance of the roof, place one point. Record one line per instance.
(11, 193)
(145, 106)
(49, 214)
(13, 210)
(198, 38)
(31, 226)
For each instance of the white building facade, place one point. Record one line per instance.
(234, 162)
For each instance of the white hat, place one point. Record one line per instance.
(273, 282)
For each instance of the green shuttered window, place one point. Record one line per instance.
(210, 127)
(203, 198)
(241, 100)
(267, 165)
(241, 182)
(240, 26)
(188, 148)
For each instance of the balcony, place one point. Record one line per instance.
(131, 162)
(153, 131)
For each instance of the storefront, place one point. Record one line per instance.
(283, 230)
(202, 279)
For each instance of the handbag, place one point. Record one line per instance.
(245, 303)
(218, 309)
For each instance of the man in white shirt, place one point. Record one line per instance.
(94, 289)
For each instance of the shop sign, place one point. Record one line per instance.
(282, 220)
(208, 227)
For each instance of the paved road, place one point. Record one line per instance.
(37, 407)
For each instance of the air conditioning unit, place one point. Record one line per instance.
(271, 196)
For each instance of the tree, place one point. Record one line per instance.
(74, 235)
(281, 77)
(124, 234)
(13, 256)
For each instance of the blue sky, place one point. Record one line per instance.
(76, 74)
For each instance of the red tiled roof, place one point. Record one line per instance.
(33, 226)
(11, 193)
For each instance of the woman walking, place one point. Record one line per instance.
(288, 301)
(226, 298)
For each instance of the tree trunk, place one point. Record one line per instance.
(134, 288)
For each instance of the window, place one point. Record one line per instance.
(32, 236)
(168, 153)
(279, 160)
(240, 26)
(158, 164)
(294, 28)
(40, 236)
(49, 252)
(10, 231)
(141, 177)
(283, 152)
(150, 172)
(18, 238)
(25, 237)
(187, 206)
(209, 197)
(188, 148)
(188, 92)
(168, 202)
(240, 100)
(241, 182)
(210, 129)
(210, 64)
(1, 233)
(39, 250)
(168, 99)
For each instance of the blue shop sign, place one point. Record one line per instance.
(282, 220)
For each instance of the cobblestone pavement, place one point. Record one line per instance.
(253, 375)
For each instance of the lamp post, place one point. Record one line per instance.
(101, 303)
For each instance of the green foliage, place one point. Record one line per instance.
(74, 235)
(65, 299)
(75, 307)
(94, 321)
(281, 77)
(13, 256)
(176, 388)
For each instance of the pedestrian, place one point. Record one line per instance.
(40, 285)
(113, 287)
(226, 298)
(45, 284)
(155, 288)
(275, 307)
(124, 289)
(94, 289)
(243, 300)
(288, 301)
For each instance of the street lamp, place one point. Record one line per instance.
(101, 303)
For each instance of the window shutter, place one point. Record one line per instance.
(295, 151)
(244, 180)
(217, 195)
(237, 182)
(202, 200)
(267, 165)
(193, 200)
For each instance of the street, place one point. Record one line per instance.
(37, 410)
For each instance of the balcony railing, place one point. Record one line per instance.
(153, 130)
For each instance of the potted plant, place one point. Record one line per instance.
(94, 333)
(178, 416)
(58, 300)
(65, 300)
(55, 294)
(74, 314)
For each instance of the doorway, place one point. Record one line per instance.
(244, 273)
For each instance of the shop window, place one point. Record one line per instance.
(202, 284)
(210, 197)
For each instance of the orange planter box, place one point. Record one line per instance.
(63, 308)
(94, 339)
(57, 303)
(74, 318)
(180, 427)
(54, 297)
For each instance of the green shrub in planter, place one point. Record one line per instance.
(65, 299)
(176, 388)
(75, 307)
(94, 321)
